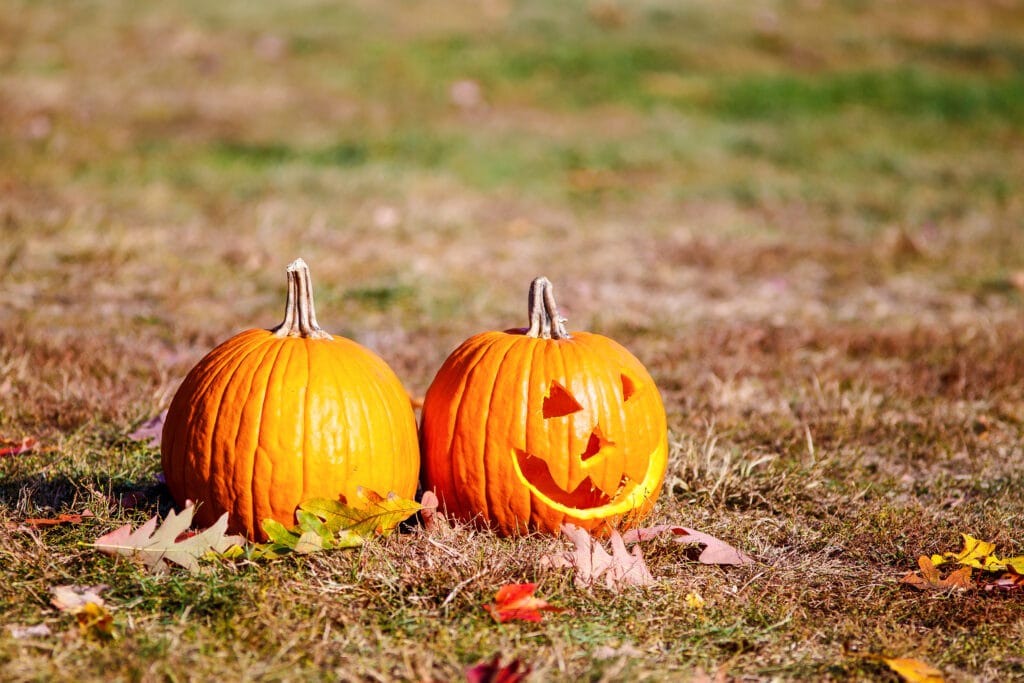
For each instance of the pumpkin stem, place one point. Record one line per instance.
(299, 313)
(545, 323)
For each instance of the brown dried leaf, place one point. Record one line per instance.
(930, 579)
(591, 561)
(715, 550)
(61, 519)
(429, 513)
(1009, 581)
(158, 546)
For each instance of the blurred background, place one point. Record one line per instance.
(675, 167)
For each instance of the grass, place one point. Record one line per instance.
(802, 217)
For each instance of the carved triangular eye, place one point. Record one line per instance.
(596, 443)
(559, 402)
(628, 387)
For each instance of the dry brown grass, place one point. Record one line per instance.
(824, 293)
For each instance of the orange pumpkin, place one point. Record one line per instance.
(271, 418)
(527, 429)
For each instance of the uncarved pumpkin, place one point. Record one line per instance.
(526, 429)
(271, 418)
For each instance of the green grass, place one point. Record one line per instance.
(803, 218)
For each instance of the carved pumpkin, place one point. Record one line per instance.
(527, 429)
(271, 418)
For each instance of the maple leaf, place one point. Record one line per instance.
(156, 547)
(591, 561)
(96, 621)
(715, 551)
(974, 553)
(150, 431)
(929, 578)
(493, 671)
(516, 601)
(913, 670)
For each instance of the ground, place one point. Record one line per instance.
(804, 217)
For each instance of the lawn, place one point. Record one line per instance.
(803, 217)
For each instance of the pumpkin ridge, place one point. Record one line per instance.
(463, 386)
(201, 377)
(255, 521)
(252, 369)
(524, 420)
(227, 371)
(485, 419)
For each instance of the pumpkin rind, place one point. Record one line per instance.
(524, 433)
(272, 418)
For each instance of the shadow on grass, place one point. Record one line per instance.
(38, 495)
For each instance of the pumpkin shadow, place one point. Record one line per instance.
(40, 495)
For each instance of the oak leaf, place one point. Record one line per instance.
(914, 671)
(715, 551)
(974, 553)
(157, 547)
(325, 524)
(429, 511)
(369, 513)
(930, 579)
(517, 601)
(591, 561)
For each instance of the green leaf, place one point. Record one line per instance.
(368, 514)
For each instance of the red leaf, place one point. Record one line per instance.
(26, 445)
(61, 519)
(715, 550)
(493, 672)
(516, 601)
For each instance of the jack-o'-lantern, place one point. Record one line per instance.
(530, 428)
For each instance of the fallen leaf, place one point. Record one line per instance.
(156, 547)
(367, 514)
(95, 621)
(60, 519)
(1009, 581)
(150, 431)
(516, 601)
(591, 561)
(73, 598)
(429, 513)
(493, 671)
(930, 579)
(10, 447)
(914, 671)
(715, 550)
(974, 553)
(23, 632)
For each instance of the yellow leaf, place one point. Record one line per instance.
(95, 621)
(1015, 563)
(974, 553)
(914, 671)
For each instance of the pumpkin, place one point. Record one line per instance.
(530, 428)
(271, 418)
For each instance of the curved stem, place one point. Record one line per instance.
(299, 312)
(545, 323)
